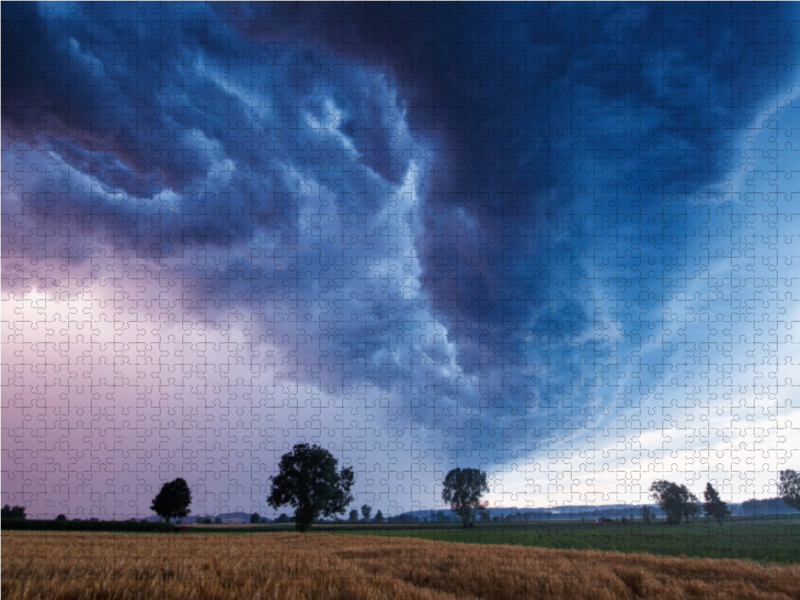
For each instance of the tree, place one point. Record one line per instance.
(647, 515)
(283, 518)
(366, 510)
(255, 518)
(353, 517)
(218, 521)
(463, 489)
(789, 488)
(714, 506)
(61, 518)
(677, 502)
(379, 517)
(173, 500)
(308, 480)
(17, 512)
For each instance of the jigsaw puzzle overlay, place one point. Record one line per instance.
(554, 242)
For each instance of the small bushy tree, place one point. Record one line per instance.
(714, 506)
(789, 488)
(647, 515)
(61, 518)
(366, 511)
(379, 517)
(463, 489)
(255, 518)
(173, 500)
(353, 517)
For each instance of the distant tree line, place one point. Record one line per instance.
(88, 525)
(12, 512)
(309, 481)
(681, 506)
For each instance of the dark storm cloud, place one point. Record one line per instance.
(172, 129)
(531, 110)
(517, 99)
(521, 98)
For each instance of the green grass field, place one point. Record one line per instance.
(761, 539)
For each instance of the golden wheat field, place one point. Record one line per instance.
(108, 566)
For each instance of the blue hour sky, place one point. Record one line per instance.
(554, 242)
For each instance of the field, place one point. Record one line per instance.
(210, 566)
(766, 540)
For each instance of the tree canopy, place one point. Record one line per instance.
(647, 515)
(307, 480)
(789, 488)
(677, 502)
(173, 500)
(715, 508)
(366, 511)
(463, 489)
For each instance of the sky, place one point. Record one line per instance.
(554, 242)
